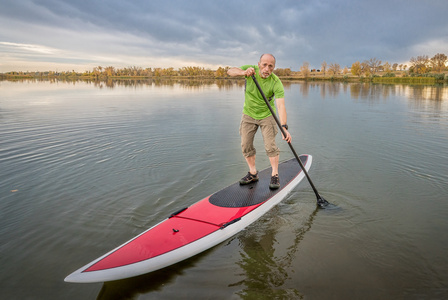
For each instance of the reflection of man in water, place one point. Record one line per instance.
(257, 114)
(265, 271)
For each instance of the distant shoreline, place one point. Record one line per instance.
(339, 78)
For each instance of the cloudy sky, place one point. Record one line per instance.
(40, 35)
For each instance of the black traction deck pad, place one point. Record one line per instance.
(254, 193)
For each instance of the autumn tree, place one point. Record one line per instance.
(147, 72)
(387, 68)
(222, 72)
(283, 72)
(419, 64)
(357, 69)
(438, 62)
(110, 71)
(158, 72)
(169, 72)
(208, 72)
(97, 71)
(334, 68)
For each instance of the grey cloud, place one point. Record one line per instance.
(231, 32)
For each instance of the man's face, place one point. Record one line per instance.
(266, 65)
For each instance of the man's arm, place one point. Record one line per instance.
(240, 72)
(282, 116)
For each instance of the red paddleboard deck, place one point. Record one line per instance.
(194, 229)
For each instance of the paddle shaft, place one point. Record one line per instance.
(320, 201)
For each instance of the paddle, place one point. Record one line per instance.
(321, 202)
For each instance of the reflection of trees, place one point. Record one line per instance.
(425, 92)
(331, 88)
(428, 101)
(412, 92)
(369, 91)
(228, 84)
(112, 82)
(359, 91)
(375, 92)
(265, 269)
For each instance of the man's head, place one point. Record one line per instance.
(266, 65)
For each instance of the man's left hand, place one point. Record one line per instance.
(288, 137)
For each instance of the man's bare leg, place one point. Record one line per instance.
(274, 164)
(251, 163)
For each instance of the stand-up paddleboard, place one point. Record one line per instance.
(194, 229)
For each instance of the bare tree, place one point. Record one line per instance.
(374, 65)
(365, 68)
(305, 69)
(324, 67)
(386, 67)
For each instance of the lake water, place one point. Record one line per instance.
(86, 166)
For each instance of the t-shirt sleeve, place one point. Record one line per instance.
(279, 91)
(245, 67)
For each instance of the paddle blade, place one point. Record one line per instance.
(321, 202)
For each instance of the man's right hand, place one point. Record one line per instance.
(249, 72)
(240, 72)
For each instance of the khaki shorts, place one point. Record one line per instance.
(249, 127)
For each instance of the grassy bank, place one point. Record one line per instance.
(406, 80)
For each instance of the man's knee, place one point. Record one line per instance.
(273, 152)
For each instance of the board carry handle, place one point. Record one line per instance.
(230, 223)
(321, 202)
(177, 212)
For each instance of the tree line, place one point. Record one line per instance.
(419, 65)
(133, 71)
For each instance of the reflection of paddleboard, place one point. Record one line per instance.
(194, 229)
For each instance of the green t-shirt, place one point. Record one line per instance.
(254, 105)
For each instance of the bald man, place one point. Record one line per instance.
(256, 115)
